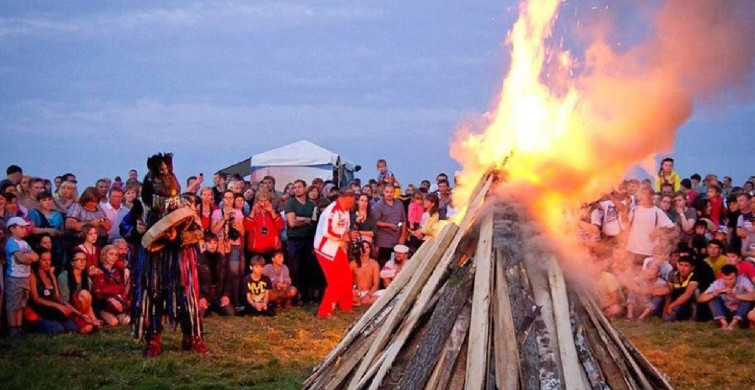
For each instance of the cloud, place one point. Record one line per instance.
(251, 15)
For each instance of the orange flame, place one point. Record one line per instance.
(570, 140)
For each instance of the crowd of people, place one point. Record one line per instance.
(677, 248)
(674, 248)
(67, 264)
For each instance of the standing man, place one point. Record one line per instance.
(219, 188)
(391, 224)
(444, 196)
(102, 187)
(331, 241)
(275, 199)
(37, 186)
(301, 230)
(114, 211)
(648, 224)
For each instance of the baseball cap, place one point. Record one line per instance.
(17, 221)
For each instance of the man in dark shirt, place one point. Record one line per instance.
(690, 277)
(219, 188)
(391, 224)
(301, 219)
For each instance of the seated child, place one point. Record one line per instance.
(647, 292)
(366, 273)
(730, 297)
(257, 287)
(211, 271)
(282, 292)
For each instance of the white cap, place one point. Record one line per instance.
(401, 249)
(17, 221)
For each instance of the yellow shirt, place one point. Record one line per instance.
(716, 263)
(673, 178)
(605, 286)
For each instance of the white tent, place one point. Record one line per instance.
(299, 160)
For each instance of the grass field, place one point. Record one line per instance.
(277, 353)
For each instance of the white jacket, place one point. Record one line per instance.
(333, 224)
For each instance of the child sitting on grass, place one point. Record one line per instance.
(257, 287)
(647, 292)
(282, 292)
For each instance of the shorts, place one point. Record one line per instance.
(16, 293)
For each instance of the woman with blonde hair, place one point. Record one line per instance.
(64, 197)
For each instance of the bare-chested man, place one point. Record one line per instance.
(366, 273)
(393, 267)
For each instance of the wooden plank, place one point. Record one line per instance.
(429, 288)
(477, 359)
(442, 372)
(406, 298)
(572, 372)
(456, 293)
(659, 380)
(504, 334)
(547, 340)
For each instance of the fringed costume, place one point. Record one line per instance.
(165, 281)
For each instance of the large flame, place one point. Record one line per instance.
(566, 140)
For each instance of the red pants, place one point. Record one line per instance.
(339, 279)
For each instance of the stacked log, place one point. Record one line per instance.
(472, 310)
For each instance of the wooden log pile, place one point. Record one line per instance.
(471, 311)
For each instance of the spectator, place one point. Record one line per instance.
(716, 202)
(257, 288)
(746, 221)
(36, 187)
(683, 284)
(444, 197)
(647, 225)
(58, 182)
(48, 222)
(687, 216)
(300, 211)
(647, 293)
(391, 224)
(88, 210)
(103, 185)
(686, 189)
(730, 298)
(74, 287)
(20, 257)
(115, 212)
(219, 179)
(745, 268)
(213, 290)
(608, 291)
(415, 210)
(110, 289)
(429, 224)
(14, 174)
(206, 207)
(612, 209)
(715, 258)
(363, 224)
(659, 259)
(52, 315)
(268, 182)
(282, 292)
(667, 202)
(263, 225)
(384, 175)
(667, 175)
(89, 247)
(366, 275)
(392, 268)
(228, 225)
(65, 197)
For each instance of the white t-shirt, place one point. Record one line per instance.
(610, 223)
(643, 220)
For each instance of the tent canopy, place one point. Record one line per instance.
(299, 160)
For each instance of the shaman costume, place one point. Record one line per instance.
(164, 270)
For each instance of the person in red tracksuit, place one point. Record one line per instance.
(331, 240)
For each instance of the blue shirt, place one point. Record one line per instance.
(55, 219)
(16, 269)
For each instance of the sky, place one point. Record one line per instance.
(94, 88)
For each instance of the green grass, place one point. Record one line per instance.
(278, 353)
(697, 355)
(249, 352)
